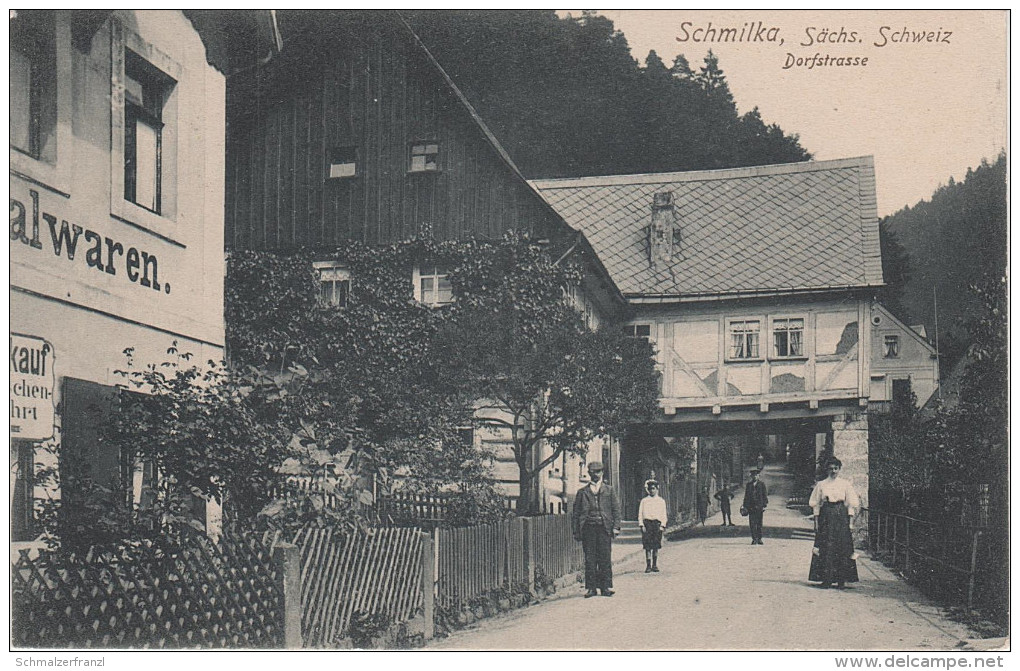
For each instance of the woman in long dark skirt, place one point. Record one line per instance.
(835, 502)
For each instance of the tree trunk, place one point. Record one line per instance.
(530, 501)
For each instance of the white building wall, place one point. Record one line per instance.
(136, 279)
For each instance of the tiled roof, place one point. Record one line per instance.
(793, 226)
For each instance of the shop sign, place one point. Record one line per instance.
(32, 386)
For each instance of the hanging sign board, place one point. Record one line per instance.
(32, 386)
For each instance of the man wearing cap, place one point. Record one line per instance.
(596, 520)
(756, 499)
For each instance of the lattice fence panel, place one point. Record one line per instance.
(227, 595)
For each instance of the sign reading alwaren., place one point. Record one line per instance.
(32, 385)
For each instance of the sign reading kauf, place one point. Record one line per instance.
(32, 385)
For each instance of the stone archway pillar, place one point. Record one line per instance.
(850, 446)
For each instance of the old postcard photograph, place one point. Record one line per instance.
(509, 330)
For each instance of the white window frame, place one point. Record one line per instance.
(773, 331)
(52, 167)
(333, 274)
(123, 39)
(422, 148)
(421, 272)
(728, 341)
(895, 339)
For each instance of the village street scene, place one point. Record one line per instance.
(514, 330)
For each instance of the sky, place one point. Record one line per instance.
(925, 110)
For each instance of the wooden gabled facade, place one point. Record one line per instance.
(354, 133)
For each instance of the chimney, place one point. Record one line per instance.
(660, 231)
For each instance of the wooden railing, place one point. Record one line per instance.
(943, 558)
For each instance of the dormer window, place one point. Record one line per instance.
(432, 286)
(334, 283)
(424, 157)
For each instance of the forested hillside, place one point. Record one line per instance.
(566, 97)
(950, 243)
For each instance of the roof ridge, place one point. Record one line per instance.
(704, 175)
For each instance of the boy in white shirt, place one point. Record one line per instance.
(652, 518)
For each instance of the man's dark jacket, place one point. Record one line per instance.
(756, 496)
(606, 503)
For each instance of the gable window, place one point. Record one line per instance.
(334, 283)
(33, 84)
(744, 338)
(145, 92)
(787, 337)
(432, 286)
(343, 162)
(424, 157)
(892, 346)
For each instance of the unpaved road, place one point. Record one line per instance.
(716, 591)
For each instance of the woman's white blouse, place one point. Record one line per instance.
(652, 508)
(834, 491)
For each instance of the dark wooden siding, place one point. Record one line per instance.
(377, 91)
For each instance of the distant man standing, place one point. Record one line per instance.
(723, 496)
(756, 499)
(596, 520)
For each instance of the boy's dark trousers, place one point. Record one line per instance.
(597, 544)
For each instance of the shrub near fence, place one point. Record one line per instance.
(203, 596)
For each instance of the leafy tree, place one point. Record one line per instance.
(542, 374)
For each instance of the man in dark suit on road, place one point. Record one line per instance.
(596, 520)
(756, 499)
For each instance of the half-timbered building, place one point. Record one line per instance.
(757, 287)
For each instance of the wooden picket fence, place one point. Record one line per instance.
(424, 510)
(555, 551)
(202, 596)
(479, 560)
(344, 575)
